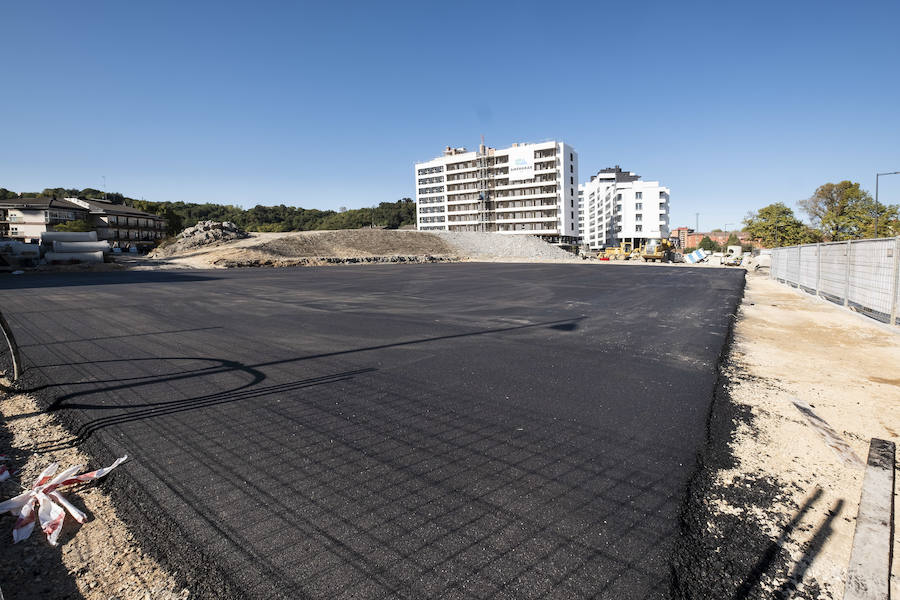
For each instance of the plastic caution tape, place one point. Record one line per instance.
(44, 504)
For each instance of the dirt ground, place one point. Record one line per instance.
(791, 346)
(96, 561)
(355, 245)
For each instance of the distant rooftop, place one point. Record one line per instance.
(110, 208)
(620, 175)
(40, 203)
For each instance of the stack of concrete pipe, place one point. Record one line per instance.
(74, 246)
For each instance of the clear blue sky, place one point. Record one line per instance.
(325, 104)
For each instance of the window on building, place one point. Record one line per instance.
(638, 227)
(638, 217)
(638, 195)
(639, 206)
(571, 168)
(572, 202)
(571, 180)
(571, 192)
(572, 213)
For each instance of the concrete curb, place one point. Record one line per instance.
(869, 572)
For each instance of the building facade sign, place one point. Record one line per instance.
(521, 163)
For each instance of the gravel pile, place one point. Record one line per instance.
(204, 233)
(349, 243)
(471, 244)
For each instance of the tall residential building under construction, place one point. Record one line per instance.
(618, 206)
(529, 189)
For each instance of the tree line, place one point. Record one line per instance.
(836, 212)
(181, 215)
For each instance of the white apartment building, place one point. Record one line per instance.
(617, 206)
(527, 189)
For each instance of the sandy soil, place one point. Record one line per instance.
(98, 560)
(791, 346)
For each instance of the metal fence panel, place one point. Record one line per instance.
(863, 274)
(833, 267)
(808, 274)
(871, 277)
(792, 264)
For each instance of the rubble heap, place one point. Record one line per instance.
(204, 233)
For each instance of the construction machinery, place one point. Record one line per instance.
(658, 250)
(624, 251)
(734, 256)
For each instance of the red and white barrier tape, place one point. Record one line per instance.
(51, 505)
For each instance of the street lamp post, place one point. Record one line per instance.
(877, 175)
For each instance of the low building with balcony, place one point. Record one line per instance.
(25, 219)
(123, 226)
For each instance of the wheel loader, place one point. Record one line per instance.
(662, 251)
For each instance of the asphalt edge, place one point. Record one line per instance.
(720, 555)
(722, 420)
(133, 505)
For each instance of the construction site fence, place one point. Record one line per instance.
(863, 275)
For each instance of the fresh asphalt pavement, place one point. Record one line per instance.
(397, 431)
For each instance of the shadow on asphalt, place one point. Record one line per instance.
(398, 494)
(117, 337)
(161, 409)
(224, 366)
(87, 278)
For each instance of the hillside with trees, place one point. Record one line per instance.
(259, 218)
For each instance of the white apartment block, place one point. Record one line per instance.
(527, 189)
(617, 206)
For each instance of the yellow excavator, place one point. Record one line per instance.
(662, 251)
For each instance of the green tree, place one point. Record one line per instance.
(845, 211)
(73, 226)
(709, 245)
(732, 240)
(775, 225)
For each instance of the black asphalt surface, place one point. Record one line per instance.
(415, 431)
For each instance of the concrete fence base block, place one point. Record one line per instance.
(869, 572)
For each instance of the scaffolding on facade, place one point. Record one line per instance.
(486, 215)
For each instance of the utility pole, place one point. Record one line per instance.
(104, 187)
(697, 225)
(877, 175)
